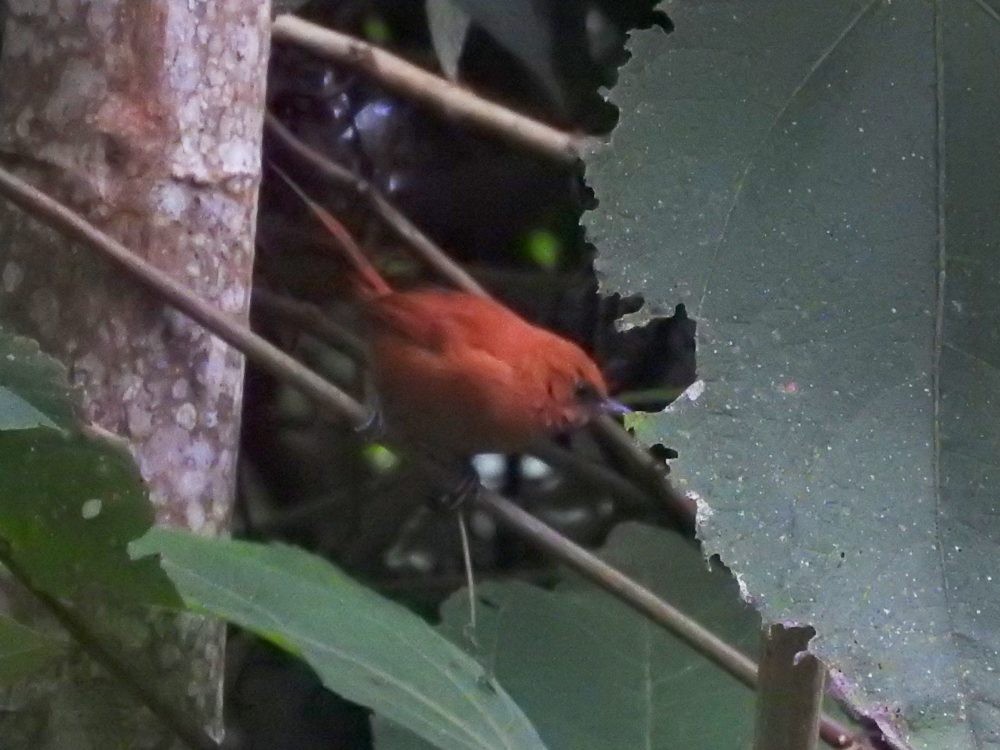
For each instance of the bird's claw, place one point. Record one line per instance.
(463, 493)
(373, 427)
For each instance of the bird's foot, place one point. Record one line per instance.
(464, 493)
(373, 428)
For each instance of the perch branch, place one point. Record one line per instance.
(640, 464)
(225, 326)
(451, 100)
(332, 399)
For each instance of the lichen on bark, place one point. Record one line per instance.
(146, 118)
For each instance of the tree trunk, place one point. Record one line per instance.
(146, 118)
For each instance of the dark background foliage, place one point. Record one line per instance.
(509, 217)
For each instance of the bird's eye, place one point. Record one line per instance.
(584, 391)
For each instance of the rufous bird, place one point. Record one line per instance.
(461, 372)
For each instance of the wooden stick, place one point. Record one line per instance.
(449, 99)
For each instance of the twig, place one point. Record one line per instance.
(176, 719)
(433, 255)
(634, 594)
(645, 469)
(416, 83)
(597, 474)
(310, 319)
(337, 402)
(790, 693)
(226, 327)
(640, 463)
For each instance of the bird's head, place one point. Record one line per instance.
(576, 389)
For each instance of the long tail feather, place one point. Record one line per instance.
(367, 273)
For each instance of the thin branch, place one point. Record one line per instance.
(226, 327)
(790, 693)
(337, 402)
(309, 319)
(414, 82)
(175, 718)
(646, 470)
(597, 474)
(634, 594)
(409, 232)
(640, 463)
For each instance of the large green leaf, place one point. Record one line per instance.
(69, 504)
(817, 181)
(366, 648)
(594, 675)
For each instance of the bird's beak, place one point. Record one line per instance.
(610, 406)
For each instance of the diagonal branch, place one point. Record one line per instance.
(451, 100)
(435, 257)
(335, 401)
(652, 482)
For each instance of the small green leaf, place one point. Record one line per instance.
(24, 650)
(18, 414)
(381, 458)
(449, 26)
(33, 387)
(366, 648)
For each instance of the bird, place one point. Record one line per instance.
(463, 373)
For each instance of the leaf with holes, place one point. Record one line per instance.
(817, 182)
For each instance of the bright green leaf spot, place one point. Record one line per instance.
(380, 458)
(376, 30)
(543, 248)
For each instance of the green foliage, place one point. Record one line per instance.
(362, 646)
(449, 26)
(69, 503)
(376, 30)
(33, 388)
(23, 650)
(594, 675)
(817, 182)
(520, 27)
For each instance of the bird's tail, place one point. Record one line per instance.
(367, 275)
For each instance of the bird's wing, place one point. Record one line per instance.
(441, 320)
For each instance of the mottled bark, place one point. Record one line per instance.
(146, 118)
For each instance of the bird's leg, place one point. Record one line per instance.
(469, 631)
(462, 494)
